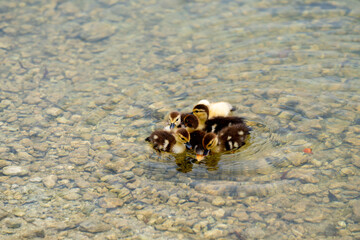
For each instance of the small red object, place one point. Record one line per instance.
(308, 150)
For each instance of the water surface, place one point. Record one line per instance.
(83, 83)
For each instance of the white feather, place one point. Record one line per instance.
(204, 101)
(178, 148)
(213, 128)
(230, 145)
(219, 109)
(166, 143)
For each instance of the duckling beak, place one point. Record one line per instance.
(172, 125)
(206, 152)
(188, 145)
(199, 157)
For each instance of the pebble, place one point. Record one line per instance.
(13, 222)
(71, 195)
(261, 109)
(355, 204)
(25, 156)
(296, 158)
(123, 192)
(309, 189)
(214, 234)
(219, 213)
(242, 215)
(54, 111)
(218, 201)
(255, 233)
(15, 171)
(120, 165)
(4, 163)
(96, 31)
(305, 175)
(81, 183)
(348, 171)
(3, 214)
(315, 216)
(32, 233)
(108, 202)
(50, 181)
(355, 160)
(94, 226)
(353, 139)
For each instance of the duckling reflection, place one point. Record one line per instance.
(184, 164)
(211, 162)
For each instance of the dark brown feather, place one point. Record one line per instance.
(233, 137)
(191, 121)
(196, 138)
(157, 139)
(216, 124)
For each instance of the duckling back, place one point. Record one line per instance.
(233, 137)
(216, 124)
(161, 140)
(220, 109)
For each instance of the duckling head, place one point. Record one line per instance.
(183, 136)
(201, 111)
(205, 102)
(210, 141)
(174, 119)
(191, 122)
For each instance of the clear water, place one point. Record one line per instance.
(83, 83)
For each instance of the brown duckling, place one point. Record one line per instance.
(175, 120)
(173, 142)
(196, 138)
(191, 123)
(214, 125)
(229, 139)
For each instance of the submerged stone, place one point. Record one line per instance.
(96, 31)
(94, 226)
(15, 171)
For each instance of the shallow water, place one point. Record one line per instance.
(84, 82)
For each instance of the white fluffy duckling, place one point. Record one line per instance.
(204, 111)
(217, 109)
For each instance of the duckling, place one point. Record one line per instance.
(217, 109)
(214, 125)
(192, 123)
(229, 138)
(173, 142)
(175, 120)
(204, 112)
(196, 138)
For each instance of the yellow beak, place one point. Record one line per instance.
(199, 157)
